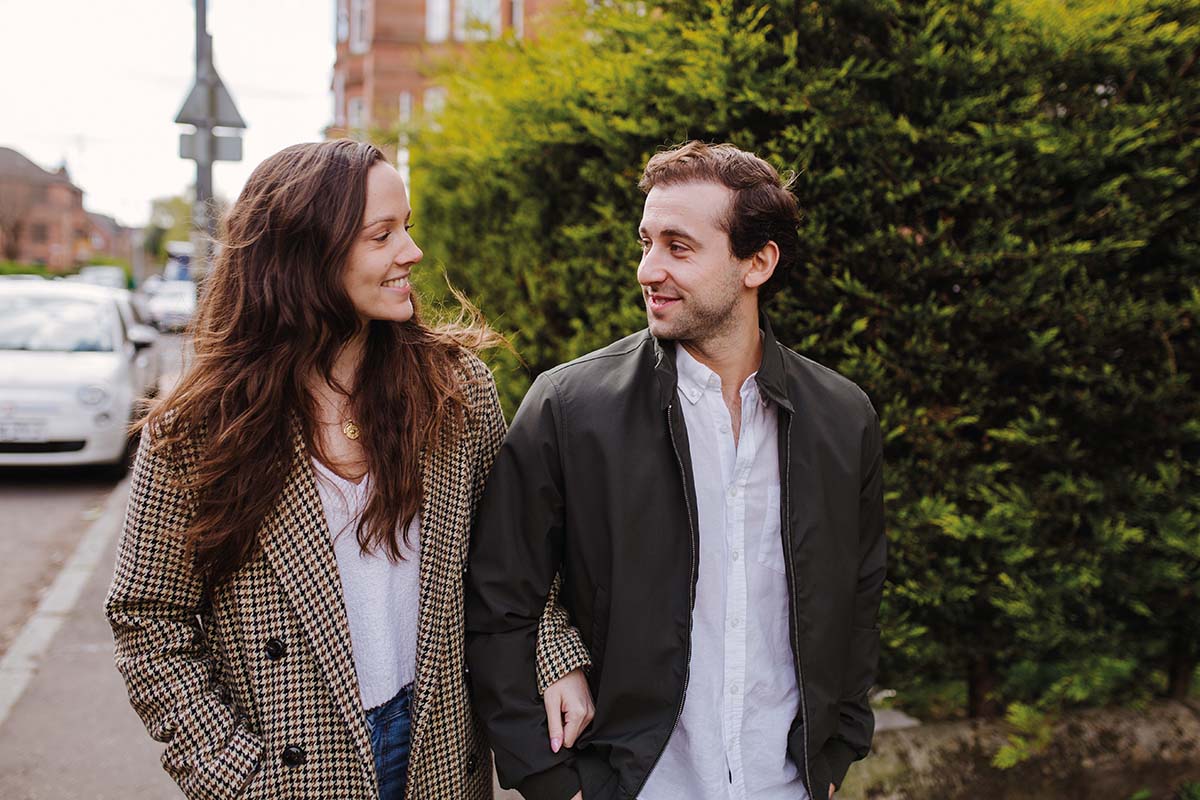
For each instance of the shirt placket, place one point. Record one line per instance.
(742, 457)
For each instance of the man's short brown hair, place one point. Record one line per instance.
(763, 208)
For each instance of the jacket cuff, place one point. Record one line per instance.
(839, 756)
(560, 782)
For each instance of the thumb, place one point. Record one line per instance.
(554, 722)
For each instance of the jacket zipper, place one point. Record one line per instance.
(785, 528)
(692, 543)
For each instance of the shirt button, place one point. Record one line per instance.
(734, 688)
(736, 555)
(733, 623)
(733, 491)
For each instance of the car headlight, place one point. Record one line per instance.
(92, 395)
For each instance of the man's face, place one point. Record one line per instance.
(691, 282)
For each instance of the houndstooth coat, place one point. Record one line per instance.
(255, 693)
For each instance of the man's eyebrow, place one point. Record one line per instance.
(678, 233)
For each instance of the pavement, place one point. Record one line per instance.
(71, 734)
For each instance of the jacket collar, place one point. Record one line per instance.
(772, 377)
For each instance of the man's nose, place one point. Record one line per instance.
(649, 272)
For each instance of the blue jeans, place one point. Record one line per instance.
(390, 726)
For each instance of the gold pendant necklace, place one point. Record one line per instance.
(350, 429)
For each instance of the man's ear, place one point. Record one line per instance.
(762, 266)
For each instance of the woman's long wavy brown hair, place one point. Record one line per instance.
(273, 313)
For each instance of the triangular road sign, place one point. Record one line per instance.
(195, 108)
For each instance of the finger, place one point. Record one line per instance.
(554, 720)
(573, 727)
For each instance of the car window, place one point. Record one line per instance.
(56, 324)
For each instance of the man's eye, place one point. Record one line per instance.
(644, 244)
(676, 247)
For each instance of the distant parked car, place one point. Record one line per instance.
(22, 276)
(173, 305)
(68, 375)
(104, 275)
(140, 331)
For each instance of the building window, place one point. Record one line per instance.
(359, 39)
(437, 20)
(434, 100)
(518, 18)
(343, 21)
(404, 109)
(39, 193)
(339, 99)
(476, 19)
(356, 114)
(38, 233)
(402, 162)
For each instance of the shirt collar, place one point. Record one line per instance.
(695, 378)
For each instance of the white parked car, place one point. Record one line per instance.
(103, 275)
(173, 305)
(69, 380)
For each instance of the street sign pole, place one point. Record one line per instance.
(208, 106)
(202, 211)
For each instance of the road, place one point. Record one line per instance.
(67, 731)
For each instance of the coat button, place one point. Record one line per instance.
(275, 649)
(293, 756)
(472, 764)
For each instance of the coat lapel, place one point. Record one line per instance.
(296, 541)
(442, 553)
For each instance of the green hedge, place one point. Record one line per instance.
(1002, 247)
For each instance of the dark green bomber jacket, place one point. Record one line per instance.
(595, 478)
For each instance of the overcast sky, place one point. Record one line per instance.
(98, 83)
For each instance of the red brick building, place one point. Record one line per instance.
(42, 219)
(385, 49)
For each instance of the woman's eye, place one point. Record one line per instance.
(408, 226)
(383, 237)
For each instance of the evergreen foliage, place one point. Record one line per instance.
(1002, 247)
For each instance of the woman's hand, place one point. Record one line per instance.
(569, 709)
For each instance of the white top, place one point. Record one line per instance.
(381, 597)
(731, 740)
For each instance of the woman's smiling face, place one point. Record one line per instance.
(382, 257)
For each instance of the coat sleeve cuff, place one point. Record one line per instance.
(560, 782)
(839, 756)
(560, 649)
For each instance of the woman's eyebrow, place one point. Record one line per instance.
(378, 220)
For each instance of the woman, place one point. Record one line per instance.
(287, 602)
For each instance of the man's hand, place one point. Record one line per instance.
(569, 709)
(831, 791)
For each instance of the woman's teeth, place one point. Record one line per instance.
(395, 283)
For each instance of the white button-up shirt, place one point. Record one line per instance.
(731, 739)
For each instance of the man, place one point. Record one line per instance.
(714, 503)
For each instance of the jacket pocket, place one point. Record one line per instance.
(770, 543)
(599, 634)
(860, 668)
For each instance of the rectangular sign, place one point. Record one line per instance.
(198, 147)
(22, 431)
